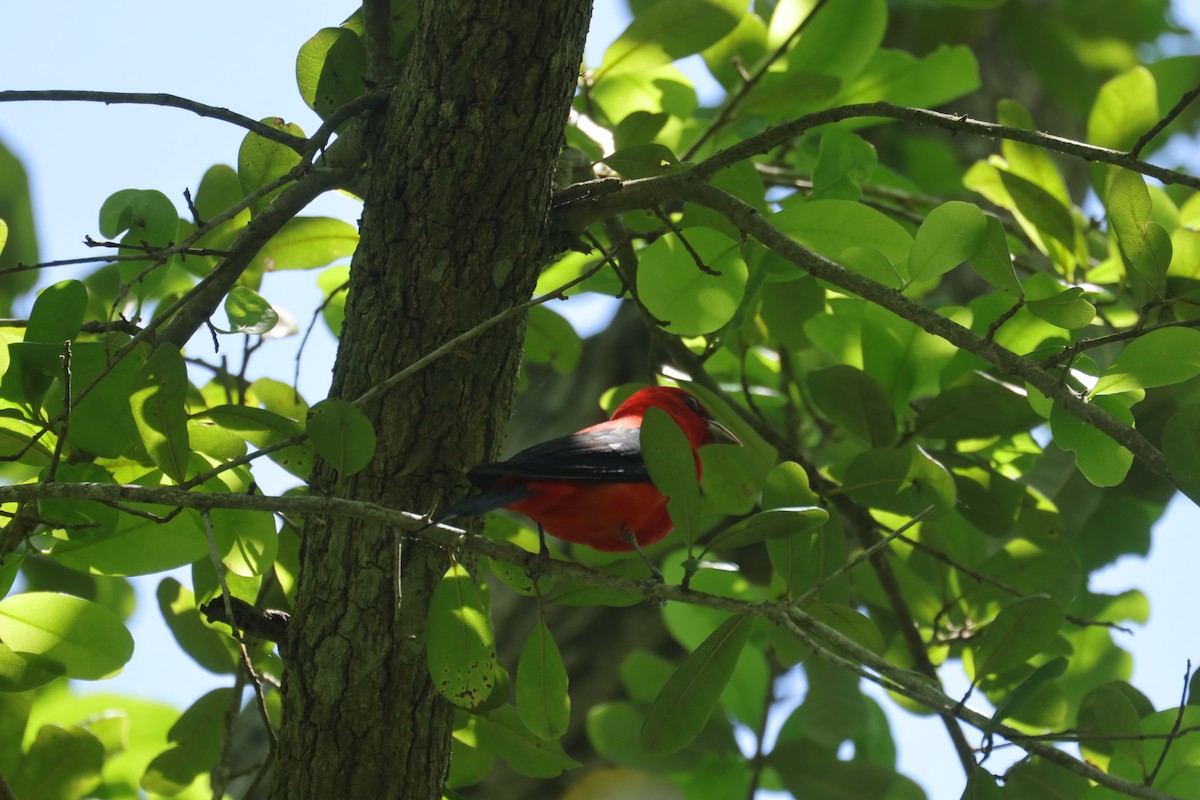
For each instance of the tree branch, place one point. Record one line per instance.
(297, 143)
(783, 132)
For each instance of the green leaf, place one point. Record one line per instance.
(993, 262)
(85, 638)
(3, 234)
(550, 339)
(1145, 244)
(330, 68)
(246, 540)
(100, 519)
(840, 41)
(342, 435)
(335, 285)
(1125, 108)
(976, 407)
(24, 671)
(774, 523)
(307, 243)
(1067, 309)
(847, 621)
(831, 227)
(782, 94)
(671, 463)
(1020, 631)
(813, 772)
(1181, 447)
(1108, 712)
(102, 422)
(845, 162)
(139, 546)
(787, 485)
(196, 737)
(61, 763)
(149, 218)
(746, 44)
(501, 732)
(1042, 209)
(249, 312)
(1159, 358)
(1025, 691)
(262, 161)
(1101, 460)
(261, 428)
(949, 235)
(669, 30)
(207, 646)
(855, 401)
(156, 398)
(461, 648)
(644, 160)
(947, 73)
(542, 700)
(676, 290)
(57, 313)
(683, 706)
(903, 480)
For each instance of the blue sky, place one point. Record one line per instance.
(241, 55)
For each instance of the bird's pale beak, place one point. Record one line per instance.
(721, 435)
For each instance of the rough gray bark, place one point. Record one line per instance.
(453, 229)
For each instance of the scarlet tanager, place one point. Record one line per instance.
(592, 487)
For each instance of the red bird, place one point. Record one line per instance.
(592, 487)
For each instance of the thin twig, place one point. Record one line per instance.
(750, 81)
(1174, 734)
(1149, 135)
(66, 412)
(867, 553)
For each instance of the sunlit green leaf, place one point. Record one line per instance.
(1158, 358)
(249, 312)
(156, 399)
(992, 260)
(1125, 108)
(306, 243)
(461, 647)
(950, 234)
(57, 313)
(679, 292)
(1100, 458)
(62, 762)
(207, 647)
(86, 639)
(262, 161)
(669, 30)
(1067, 309)
(330, 68)
(845, 162)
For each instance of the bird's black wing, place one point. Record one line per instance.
(608, 455)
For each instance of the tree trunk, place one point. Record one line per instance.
(453, 230)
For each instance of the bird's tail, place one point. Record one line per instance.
(482, 503)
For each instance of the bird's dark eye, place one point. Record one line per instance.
(692, 403)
